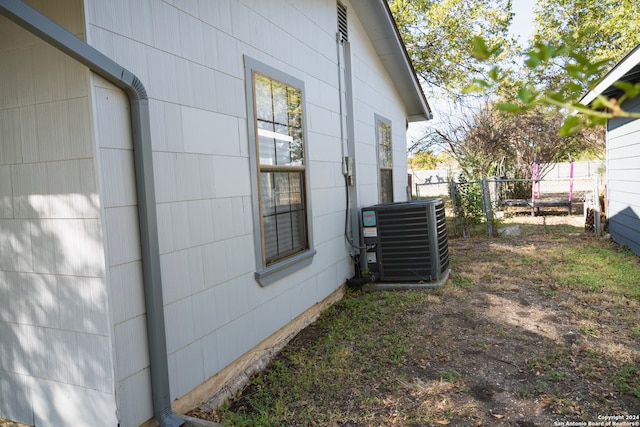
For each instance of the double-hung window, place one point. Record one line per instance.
(385, 164)
(276, 130)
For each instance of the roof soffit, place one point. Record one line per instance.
(381, 30)
(628, 69)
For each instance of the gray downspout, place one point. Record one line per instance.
(44, 28)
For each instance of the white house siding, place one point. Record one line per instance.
(623, 180)
(374, 93)
(116, 174)
(55, 346)
(189, 55)
(72, 319)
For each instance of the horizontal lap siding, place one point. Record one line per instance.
(374, 94)
(623, 179)
(189, 56)
(55, 337)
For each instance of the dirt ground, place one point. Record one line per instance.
(532, 352)
(528, 353)
(506, 342)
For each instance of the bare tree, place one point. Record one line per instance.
(490, 141)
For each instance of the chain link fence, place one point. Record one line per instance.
(485, 202)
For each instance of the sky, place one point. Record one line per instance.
(522, 24)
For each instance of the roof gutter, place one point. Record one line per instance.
(52, 33)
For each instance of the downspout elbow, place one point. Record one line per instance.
(41, 26)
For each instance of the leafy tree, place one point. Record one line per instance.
(597, 31)
(468, 203)
(463, 47)
(439, 33)
(575, 43)
(425, 159)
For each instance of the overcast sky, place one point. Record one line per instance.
(522, 24)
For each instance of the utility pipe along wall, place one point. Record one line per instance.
(44, 28)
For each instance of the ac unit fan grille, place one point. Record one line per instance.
(443, 243)
(404, 237)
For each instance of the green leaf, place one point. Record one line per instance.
(477, 85)
(630, 89)
(571, 125)
(510, 107)
(573, 88)
(581, 59)
(472, 88)
(494, 73)
(545, 52)
(555, 96)
(574, 70)
(593, 121)
(588, 31)
(533, 61)
(525, 95)
(599, 103)
(480, 49)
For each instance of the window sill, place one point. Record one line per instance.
(284, 268)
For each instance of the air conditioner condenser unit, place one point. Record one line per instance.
(406, 244)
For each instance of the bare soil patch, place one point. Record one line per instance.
(521, 335)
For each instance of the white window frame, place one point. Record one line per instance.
(381, 167)
(267, 274)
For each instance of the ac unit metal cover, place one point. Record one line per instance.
(409, 240)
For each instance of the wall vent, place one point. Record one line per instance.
(342, 23)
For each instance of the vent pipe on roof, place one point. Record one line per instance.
(44, 28)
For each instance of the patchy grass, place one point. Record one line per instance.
(594, 268)
(530, 330)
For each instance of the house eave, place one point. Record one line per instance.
(383, 33)
(628, 69)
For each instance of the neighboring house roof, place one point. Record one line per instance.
(628, 69)
(381, 29)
